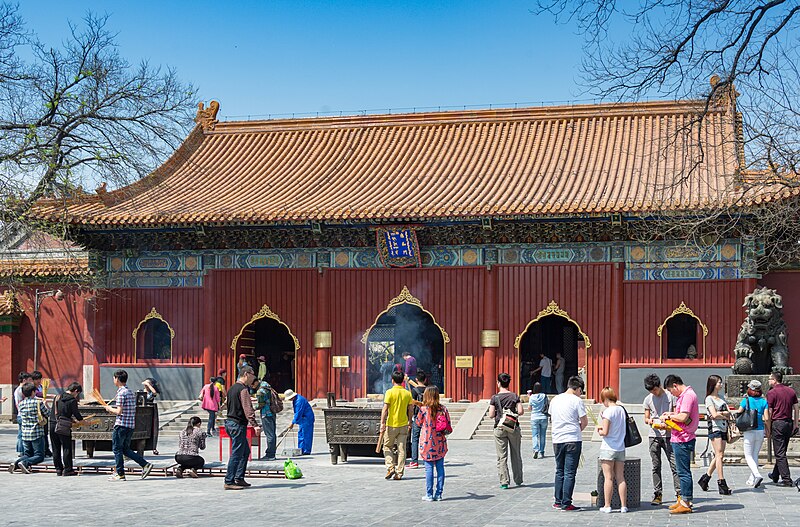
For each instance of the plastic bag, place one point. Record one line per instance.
(291, 470)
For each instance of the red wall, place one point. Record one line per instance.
(63, 335)
(583, 291)
(787, 284)
(453, 296)
(212, 315)
(717, 303)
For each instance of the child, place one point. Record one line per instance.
(432, 443)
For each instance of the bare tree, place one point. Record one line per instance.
(78, 115)
(670, 49)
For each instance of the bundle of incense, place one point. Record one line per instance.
(591, 414)
(672, 424)
(45, 386)
(88, 420)
(99, 397)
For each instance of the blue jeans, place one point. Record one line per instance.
(567, 457)
(539, 432)
(212, 421)
(439, 466)
(415, 430)
(268, 425)
(121, 446)
(20, 446)
(683, 465)
(240, 451)
(546, 384)
(32, 453)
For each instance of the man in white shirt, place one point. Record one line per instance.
(546, 369)
(568, 416)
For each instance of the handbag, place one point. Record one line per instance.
(632, 435)
(747, 420)
(443, 422)
(63, 424)
(733, 432)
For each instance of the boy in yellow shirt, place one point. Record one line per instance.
(395, 425)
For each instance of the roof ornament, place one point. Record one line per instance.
(723, 93)
(207, 117)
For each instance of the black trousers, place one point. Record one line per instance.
(781, 432)
(62, 452)
(187, 462)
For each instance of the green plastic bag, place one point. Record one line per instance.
(291, 470)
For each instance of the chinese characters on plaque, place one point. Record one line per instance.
(398, 247)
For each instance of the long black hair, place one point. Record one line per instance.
(711, 383)
(193, 422)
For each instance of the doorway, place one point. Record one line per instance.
(557, 338)
(404, 327)
(266, 335)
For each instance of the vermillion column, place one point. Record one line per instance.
(322, 341)
(88, 327)
(617, 326)
(209, 360)
(10, 318)
(490, 336)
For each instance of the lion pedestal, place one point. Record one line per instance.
(761, 346)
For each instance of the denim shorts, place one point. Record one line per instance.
(611, 455)
(718, 435)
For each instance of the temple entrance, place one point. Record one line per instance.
(552, 334)
(266, 335)
(404, 327)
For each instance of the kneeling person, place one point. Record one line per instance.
(192, 439)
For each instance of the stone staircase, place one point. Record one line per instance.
(484, 431)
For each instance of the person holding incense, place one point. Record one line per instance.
(65, 412)
(125, 410)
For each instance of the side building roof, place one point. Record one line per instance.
(634, 158)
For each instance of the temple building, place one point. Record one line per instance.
(474, 240)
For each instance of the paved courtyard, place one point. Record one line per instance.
(355, 493)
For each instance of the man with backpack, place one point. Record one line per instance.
(506, 409)
(417, 390)
(568, 417)
(270, 405)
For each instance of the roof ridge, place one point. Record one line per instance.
(572, 111)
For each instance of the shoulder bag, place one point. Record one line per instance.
(747, 420)
(509, 418)
(632, 435)
(443, 424)
(63, 424)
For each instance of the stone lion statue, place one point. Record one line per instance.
(761, 346)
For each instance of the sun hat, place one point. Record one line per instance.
(754, 385)
(289, 394)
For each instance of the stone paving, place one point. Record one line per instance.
(356, 494)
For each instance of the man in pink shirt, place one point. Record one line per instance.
(686, 416)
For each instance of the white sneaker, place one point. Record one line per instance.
(427, 498)
(623, 510)
(606, 510)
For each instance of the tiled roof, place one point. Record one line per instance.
(41, 268)
(586, 159)
(9, 307)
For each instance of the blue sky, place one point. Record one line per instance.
(277, 57)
